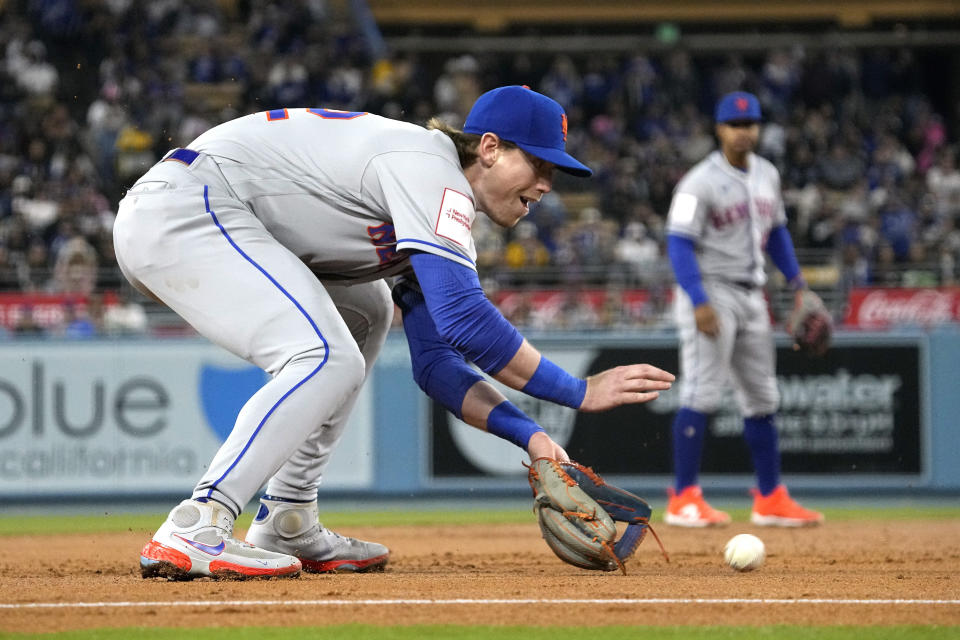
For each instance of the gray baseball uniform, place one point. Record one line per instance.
(728, 213)
(285, 224)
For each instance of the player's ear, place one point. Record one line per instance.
(488, 149)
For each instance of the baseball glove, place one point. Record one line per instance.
(810, 324)
(576, 511)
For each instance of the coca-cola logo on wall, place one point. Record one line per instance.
(874, 308)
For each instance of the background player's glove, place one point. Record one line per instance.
(576, 510)
(810, 324)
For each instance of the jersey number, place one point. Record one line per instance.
(383, 237)
(326, 114)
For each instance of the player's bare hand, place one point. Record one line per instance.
(629, 384)
(706, 319)
(542, 446)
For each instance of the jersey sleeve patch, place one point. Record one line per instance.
(683, 209)
(455, 218)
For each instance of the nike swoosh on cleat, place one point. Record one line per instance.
(206, 548)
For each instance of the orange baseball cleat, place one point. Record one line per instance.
(780, 510)
(689, 509)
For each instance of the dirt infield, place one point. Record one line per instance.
(824, 575)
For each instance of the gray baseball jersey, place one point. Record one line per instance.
(728, 213)
(345, 190)
(236, 236)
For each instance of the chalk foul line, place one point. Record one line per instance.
(467, 601)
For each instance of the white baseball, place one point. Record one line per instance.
(745, 552)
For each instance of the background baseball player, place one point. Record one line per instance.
(272, 235)
(725, 212)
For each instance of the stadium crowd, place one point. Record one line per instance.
(93, 93)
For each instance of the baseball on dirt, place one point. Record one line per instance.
(744, 552)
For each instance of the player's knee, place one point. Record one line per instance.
(761, 404)
(343, 360)
(708, 403)
(347, 363)
(381, 318)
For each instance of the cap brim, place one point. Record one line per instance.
(563, 160)
(753, 120)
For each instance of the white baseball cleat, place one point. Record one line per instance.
(196, 540)
(292, 527)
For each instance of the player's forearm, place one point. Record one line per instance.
(444, 375)
(485, 408)
(520, 368)
(780, 249)
(530, 372)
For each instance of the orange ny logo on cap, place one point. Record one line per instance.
(563, 124)
(742, 104)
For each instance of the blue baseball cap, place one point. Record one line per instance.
(738, 105)
(530, 120)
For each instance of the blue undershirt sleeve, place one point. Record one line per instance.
(444, 375)
(683, 256)
(780, 248)
(438, 368)
(462, 314)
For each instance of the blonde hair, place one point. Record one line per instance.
(466, 143)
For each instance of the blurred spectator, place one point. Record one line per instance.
(885, 272)
(823, 229)
(943, 181)
(626, 187)
(206, 65)
(840, 169)
(947, 264)
(75, 269)
(587, 242)
(550, 216)
(489, 241)
(26, 326)
(525, 249)
(9, 281)
(855, 269)
(919, 271)
(781, 76)
(575, 312)
(521, 314)
(288, 83)
(695, 146)
(31, 70)
(80, 321)
(616, 313)
(126, 317)
(637, 250)
(33, 204)
(457, 88)
(34, 270)
(563, 82)
(898, 227)
(134, 152)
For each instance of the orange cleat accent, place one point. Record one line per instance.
(689, 509)
(155, 552)
(222, 568)
(780, 510)
(345, 566)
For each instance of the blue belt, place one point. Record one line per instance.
(186, 156)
